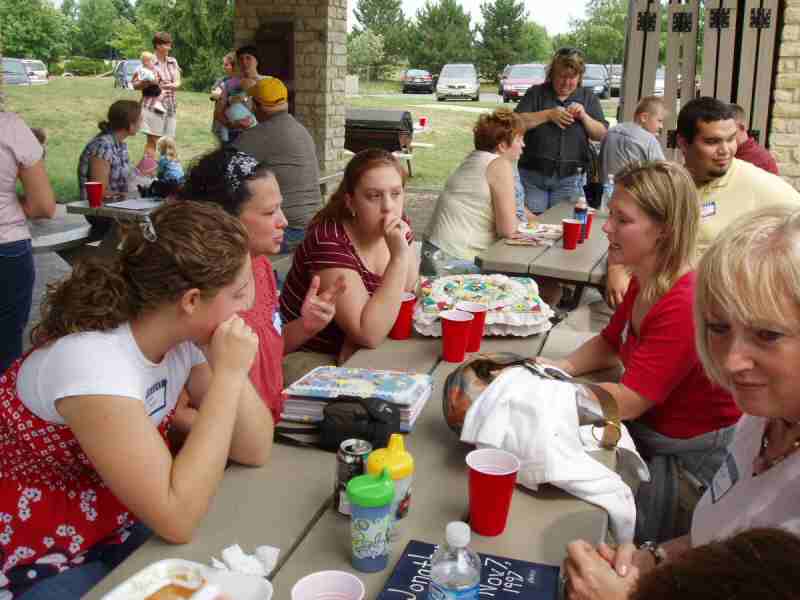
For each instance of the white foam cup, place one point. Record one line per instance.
(328, 585)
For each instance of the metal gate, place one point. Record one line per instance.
(737, 62)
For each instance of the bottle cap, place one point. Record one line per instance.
(457, 534)
(394, 457)
(371, 491)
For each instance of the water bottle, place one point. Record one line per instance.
(581, 214)
(608, 191)
(455, 569)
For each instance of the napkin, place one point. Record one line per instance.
(237, 560)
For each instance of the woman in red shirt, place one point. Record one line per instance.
(362, 236)
(250, 192)
(673, 411)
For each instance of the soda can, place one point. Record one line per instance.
(351, 461)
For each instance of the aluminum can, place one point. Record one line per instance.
(351, 461)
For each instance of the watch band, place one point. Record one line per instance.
(658, 552)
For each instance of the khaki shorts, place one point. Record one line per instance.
(157, 124)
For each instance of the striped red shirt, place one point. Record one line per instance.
(326, 246)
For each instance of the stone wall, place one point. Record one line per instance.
(784, 127)
(320, 53)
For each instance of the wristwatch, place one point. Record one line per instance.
(658, 552)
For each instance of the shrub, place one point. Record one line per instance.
(80, 65)
(56, 69)
(204, 70)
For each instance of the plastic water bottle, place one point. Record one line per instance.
(455, 568)
(581, 213)
(608, 191)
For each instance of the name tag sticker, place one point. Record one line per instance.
(156, 397)
(725, 479)
(277, 322)
(708, 210)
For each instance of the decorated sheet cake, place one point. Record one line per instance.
(515, 307)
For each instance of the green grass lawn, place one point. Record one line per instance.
(69, 109)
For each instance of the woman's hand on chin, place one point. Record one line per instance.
(395, 231)
(233, 346)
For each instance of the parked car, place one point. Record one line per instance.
(458, 80)
(519, 78)
(615, 80)
(123, 73)
(37, 70)
(14, 72)
(418, 80)
(596, 78)
(502, 78)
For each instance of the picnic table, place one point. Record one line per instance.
(583, 266)
(288, 502)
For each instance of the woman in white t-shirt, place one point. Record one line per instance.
(747, 322)
(84, 416)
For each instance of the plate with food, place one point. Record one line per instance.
(541, 230)
(177, 579)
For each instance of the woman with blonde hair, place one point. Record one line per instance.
(747, 324)
(86, 468)
(673, 411)
(362, 236)
(478, 204)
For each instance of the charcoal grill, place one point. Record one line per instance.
(391, 130)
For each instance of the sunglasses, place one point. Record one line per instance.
(569, 52)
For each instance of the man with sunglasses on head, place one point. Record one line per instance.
(561, 117)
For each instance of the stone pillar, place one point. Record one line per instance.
(320, 64)
(784, 130)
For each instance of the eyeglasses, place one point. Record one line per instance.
(569, 52)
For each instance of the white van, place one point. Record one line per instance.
(458, 80)
(37, 70)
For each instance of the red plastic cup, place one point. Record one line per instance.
(572, 231)
(94, 193)
(492, 476)
(423, 122)
(402, 325)
(476, 331)
(589, 219)
(456, 326)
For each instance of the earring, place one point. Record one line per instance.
(353, 213)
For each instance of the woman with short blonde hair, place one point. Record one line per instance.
(673, 411)
(478, 205)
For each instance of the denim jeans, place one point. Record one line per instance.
(74, 583)
(543, 192)
(16, 295)
(292, 237)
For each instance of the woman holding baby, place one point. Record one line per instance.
(561, 117)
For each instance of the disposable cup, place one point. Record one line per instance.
(328, 585)
(94, 193)
(589, 220)
(572, 231)
(456, 325)
(402, 325)
(492, 475)
(423, 122)
(478, 311)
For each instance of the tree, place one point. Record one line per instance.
(128, 40)
(125, 9)
(384, 18)
(95, 28)
(440, 35)
(34, 29)
(502, 42)
(601, 35)
(364, 53)
(538, 47)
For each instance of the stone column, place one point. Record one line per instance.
(784, 130)
(320, 64)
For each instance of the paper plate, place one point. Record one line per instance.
(151, 579)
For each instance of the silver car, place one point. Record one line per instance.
(37, 71)
(458, 80)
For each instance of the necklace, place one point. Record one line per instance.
(761, 463)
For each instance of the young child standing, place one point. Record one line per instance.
(147, 73)
(170, 171)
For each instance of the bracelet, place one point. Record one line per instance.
(657, 551)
